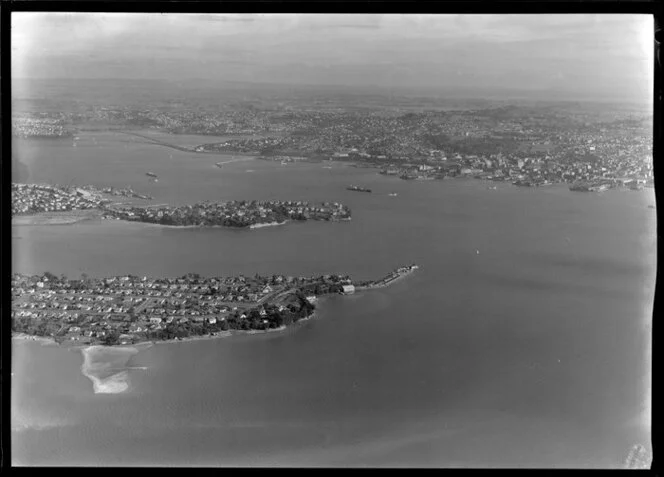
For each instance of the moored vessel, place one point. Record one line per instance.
(358, 189)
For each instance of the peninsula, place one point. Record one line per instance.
(242, 214)
(38, 199)
(130, 309)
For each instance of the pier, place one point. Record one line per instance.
(388, 279)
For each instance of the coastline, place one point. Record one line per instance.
(218, 335)
(242, 159)
(267, 224)
(56, 218)
(258, 332)
(42, 339)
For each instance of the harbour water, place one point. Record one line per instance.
(522, 340)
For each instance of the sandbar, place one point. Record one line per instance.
(106, 367)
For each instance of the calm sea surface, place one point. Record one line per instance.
(523, 340)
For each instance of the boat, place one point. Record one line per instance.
(219, 164)
(358, 189)
(651, 206)
(151, 174)
(393, 194)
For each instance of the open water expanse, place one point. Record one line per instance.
(523, 340)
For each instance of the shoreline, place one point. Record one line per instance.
(148, 343)
(267, 224)
(249, 227)
(56, 218)
(216, 336)
(241, 159)
(40, 339)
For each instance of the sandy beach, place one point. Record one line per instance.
(257, 332)
(216, 336)
(269, 224)
(106, 367)
(254, 226)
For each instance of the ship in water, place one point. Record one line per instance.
(219, 164)
(151, 174)
(393, 194)
(358, 189)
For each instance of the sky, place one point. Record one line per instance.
(599, 55)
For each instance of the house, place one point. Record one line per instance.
(348, 289)
(267, 289)
(212, 320)
(155, 319)
(312, 299)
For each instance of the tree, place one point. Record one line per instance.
(111, 338)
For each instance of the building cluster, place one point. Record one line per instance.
(131, 307)
(583, 170)
(36, 198)
(233, 214)
(119, 192)
(533, 145)
(28, 199)
(39, 126)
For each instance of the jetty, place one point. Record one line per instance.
(388, 279)
(158, 142)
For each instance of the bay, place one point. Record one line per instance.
(523, 340)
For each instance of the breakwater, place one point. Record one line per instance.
(387, 280)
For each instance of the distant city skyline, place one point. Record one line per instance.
(567, 56)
